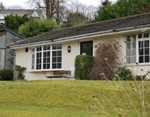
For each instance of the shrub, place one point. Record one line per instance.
(123, 73)
(6, 75)
(83, 65)
(20, 72)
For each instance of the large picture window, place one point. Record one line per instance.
(137, 49)
(47, 57)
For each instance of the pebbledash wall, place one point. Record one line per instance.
(68, 59)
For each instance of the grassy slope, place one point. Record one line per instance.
(64, 98)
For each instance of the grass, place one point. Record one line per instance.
(67, 99)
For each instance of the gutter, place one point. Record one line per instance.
(79, 37)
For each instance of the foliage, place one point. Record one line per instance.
(20, 72)
(36, 26)
(83, 65)
(6, 75)
(106, 55)
(66, 24)
(122, 8)
(123, 73)
(15, 21)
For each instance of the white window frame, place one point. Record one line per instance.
(51, 50)
(137, 50)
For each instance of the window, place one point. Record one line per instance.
(47, 57)
(137, 49)
(86, 48)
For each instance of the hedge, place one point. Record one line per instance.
(6, 75)
(83, 65)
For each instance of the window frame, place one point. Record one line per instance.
(42, 54)
(137, 50)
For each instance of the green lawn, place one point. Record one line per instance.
(68, 99)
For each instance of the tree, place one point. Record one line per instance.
(36, 26)
(15, 21)
(53, 8)
(122, 8)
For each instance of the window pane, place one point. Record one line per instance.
(54, 47)
(39, 48)
(141, 59)
(48, 60)
(54, 66)
(141, 44)
(146, 51)
(48, 66)
(59, 53)
(134, 44)
(128, 46)
(131, 52)
(147, 59)
(146, 43)
(54, 53)
(127, 52)
(59, 65)
(44, 66)
(134, 52)
(46, 47)
(59, 46)
(146, 35)
(59, 59)
(140, 36)
(54, 59)
(44, 60)
(33, 61)
(140, 51)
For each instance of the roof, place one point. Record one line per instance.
(119, 23)
(21, 11)
(11, 31)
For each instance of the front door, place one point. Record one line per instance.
(86, 48)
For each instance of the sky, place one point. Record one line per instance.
(22, 2)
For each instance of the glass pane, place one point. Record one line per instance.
(146, 51)
(147, 59)
(140, 51)
(59, 46)
(131, 52)
(146, 43)
(140, 36)
(44, 55)
(134, 51)
(44, 60)
(141, 60)
(46, 47)
(48, 66)
(39, 48)
(48, 54)
(128, 46)
(59, 53)
(48, 60)
(140, 44)
(54, 59)
(54, 53)
(146, 35)
(127, 52)
(44, 66)
(59, 59)
(134, 44)
(59, 65)
(54, 66)
(54, 47)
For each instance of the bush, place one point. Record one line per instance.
(83, 65)
(20, 72)
(123, 73)
(6, 75)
